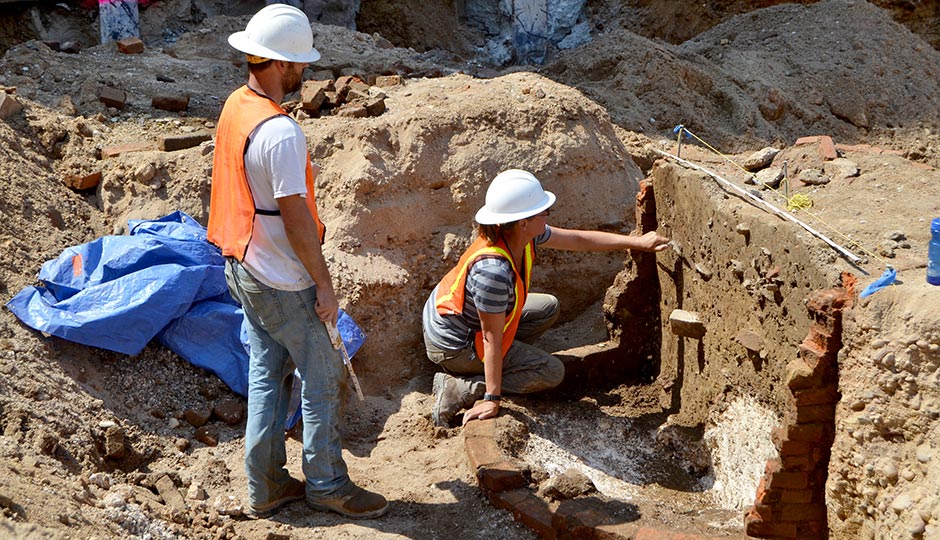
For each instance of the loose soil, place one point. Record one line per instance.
(398, 193)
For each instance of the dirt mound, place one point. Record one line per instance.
(839, 67)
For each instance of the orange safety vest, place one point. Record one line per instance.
(451, 291)
(231, 207)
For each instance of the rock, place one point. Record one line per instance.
(170, 102)
(750, 340)
(207, 436)
(386, 81)
(100, 479)
(230, 411)
(813, 177)
(770, 177)
(182, 142)
(197, 418)
(901, 502)
(227, 505)
(568, 485)
(841, 168)
(114, 442)
(704, 272)
(170, 494)
(82, 182)
(145, 173)
(760, 159)
(381, 42)
(196, 492)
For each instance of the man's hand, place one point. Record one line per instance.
(327, 306)
(482, 411)
(651, 241)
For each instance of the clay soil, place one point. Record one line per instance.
(761, 78)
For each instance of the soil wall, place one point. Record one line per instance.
(746, 274)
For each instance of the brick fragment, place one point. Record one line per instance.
(171, 102)
(760, 528)
(502, 476)
(197, 418)
(313, 94)
(387, 81)
(686, 324)
(230, 411)
(9, 105)
(616, 531)
(82, 182)
(799, 496)
(480, 428)
(824, 146)
(817, 396)
(802, 512)
(112, 97)
(181, 142)
(353, 110)
(577, 518)
(114, 151)
(483, 451)
(527, 509)
(806, 432)
(130, 45)
(808, 414)
(375, 106)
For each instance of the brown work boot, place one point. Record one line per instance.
(295, 490)
(357, 503)
(451, 394)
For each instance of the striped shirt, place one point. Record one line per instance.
(490, 288)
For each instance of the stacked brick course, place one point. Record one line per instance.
(790, 501)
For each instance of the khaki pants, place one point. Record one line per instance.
(526, 368)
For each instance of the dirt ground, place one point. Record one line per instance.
(398, 193)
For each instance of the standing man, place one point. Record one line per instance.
(263, 216)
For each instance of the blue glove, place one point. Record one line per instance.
(887, 278)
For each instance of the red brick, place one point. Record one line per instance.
(801, 462)
(756, 527)
(765, 496)
(801, 496)
(826, 301)
(480, 428)
(375, 106)
(802, 512)
(813, 354)
(764, 511)
(527, 509)
(808, 414)
(482, 451)
(813, 139)
(112, 97)
(817, 396)
(130, 45)
(648, 533)
(182, 142)
(794, 448)
(313, 94)
(8, 105)
(806, 432)
(801, 376)
(502, 476)
(114, 151)
(827, 150)
(385, 81)
(353, 110)
(812, 530)
(83, 182)
(788, 480)
(170, 102)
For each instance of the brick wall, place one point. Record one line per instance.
(790, 500)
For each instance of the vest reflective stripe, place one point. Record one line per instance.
(451, 291)
(232, 207)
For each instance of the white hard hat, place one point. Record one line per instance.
(278, 32)
(514, 195)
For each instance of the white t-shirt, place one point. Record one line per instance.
(276, 167)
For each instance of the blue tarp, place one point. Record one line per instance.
(164, 281)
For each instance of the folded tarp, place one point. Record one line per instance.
(163, 280)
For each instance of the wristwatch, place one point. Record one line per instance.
(492, 397)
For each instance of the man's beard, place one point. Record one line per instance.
(292, 84)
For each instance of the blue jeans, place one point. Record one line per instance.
(284, 331)
(526, 368)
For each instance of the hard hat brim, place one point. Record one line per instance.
(485, 216)
(241, 41)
